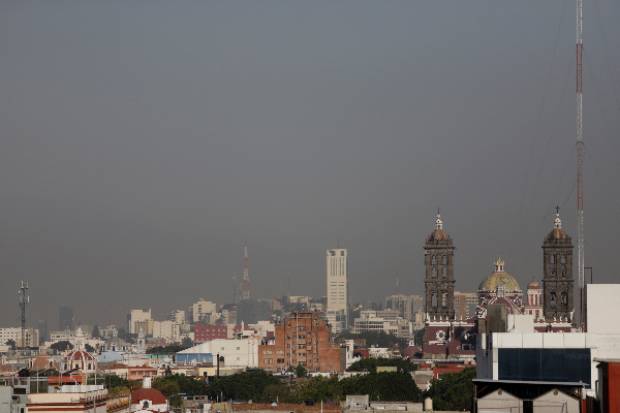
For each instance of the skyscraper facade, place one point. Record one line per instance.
(336, 288)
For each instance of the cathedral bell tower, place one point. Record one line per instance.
(558, 274)
(439, 277)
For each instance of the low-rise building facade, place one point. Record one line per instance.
(302, 338)
(31, 336)
(207, 332)
(233, 353)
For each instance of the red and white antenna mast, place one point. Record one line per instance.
(580, 156)
(245, 285)
(246, 264)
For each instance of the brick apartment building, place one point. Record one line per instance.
(207, 332)
(301, 338)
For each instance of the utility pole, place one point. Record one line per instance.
(23, 299)
(580, 158)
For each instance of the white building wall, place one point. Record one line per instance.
(336, 309)
(31, 336)
(237, 353)
(602, 303)
(138, 315)
(69, 398)
(262, 328)
(202, 308)
(336, 273)
(556, 402)
(499, 401)
(178, 316)
(167, 330)
(600, 345)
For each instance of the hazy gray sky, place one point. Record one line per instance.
(142, 142)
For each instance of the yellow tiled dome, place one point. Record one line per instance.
(500, 278)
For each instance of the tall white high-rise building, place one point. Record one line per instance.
(138, 318)
(336, 282)
(203, 310)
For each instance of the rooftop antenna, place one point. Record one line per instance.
(580, 158)
(24, 299)
(245, 281)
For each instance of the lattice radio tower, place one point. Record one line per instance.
(24, 300)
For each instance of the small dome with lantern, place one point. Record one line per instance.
(557, 235)
(500, 279)
(439, 235)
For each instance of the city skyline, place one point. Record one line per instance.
(331, 268)
(132, 171)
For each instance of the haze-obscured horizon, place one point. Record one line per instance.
(142, 143)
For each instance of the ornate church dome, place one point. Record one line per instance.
(500, 279)
(80, 360)
(557, 234)
(438, 234)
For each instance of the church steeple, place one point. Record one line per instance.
(558, 272)
(439, 275)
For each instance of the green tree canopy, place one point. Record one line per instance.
(249, 385)
(383, 386)
(61, 346)
(186, 343)
(316, 389)
(453, 391)
(371, 364)
(300, 371)
(169, 349)
(110, 381)
(259, 386)
(175, 385)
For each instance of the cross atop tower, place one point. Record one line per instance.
(438, 221)
(557, 222)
